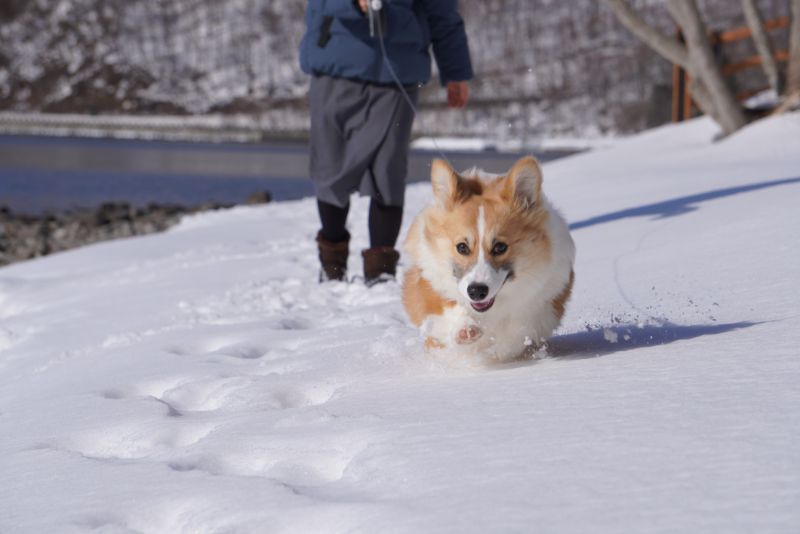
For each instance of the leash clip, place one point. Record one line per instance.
(376, 17)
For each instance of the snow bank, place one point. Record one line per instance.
(201, 381)
(473, 144)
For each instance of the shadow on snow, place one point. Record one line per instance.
(599, 341)
(677, 206)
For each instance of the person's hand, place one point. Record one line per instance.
(457, 94)
(363, 5)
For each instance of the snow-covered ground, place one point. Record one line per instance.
(201, 381)
(592, 140)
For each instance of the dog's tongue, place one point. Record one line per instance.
(482, 306)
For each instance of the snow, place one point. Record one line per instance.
(202, 381)
(766, 100)
(473, 144)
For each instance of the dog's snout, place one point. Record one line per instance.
(477, 292)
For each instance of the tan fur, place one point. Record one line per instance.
(560, 302)
(420, 299)
(433, 343)
(516, 225)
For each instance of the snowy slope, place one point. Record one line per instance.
(200, 380)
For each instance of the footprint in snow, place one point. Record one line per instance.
(293, 461)
(213, 348)
(206, 394)
(113, 394)
(135, 440)
(241, 351)
(291, 324)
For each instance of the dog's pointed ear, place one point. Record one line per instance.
(444, 181)
(524, 182)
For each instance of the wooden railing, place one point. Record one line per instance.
(682, 104)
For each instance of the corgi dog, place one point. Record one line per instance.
(491, 262)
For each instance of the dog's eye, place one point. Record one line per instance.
(463, 249)
(499, 249)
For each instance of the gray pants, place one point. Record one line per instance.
(360, 135)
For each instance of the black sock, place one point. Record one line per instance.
(333, 219)
(384, 224)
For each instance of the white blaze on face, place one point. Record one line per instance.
(482, 272)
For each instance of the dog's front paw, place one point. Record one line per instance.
(432, 343)
(468, 334)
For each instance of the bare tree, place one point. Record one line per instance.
(793, 75)
(763, 46)
(696, 56)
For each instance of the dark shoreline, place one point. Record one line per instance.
(26, 236)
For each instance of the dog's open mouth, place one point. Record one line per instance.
(482, 306)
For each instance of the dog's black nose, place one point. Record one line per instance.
(477, 292)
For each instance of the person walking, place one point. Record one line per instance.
(361, 119)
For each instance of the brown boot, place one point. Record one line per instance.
(380, 264)
(333, 259)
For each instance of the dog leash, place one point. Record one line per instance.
(376, 25)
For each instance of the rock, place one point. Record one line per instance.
(259, 197)
(110, 212)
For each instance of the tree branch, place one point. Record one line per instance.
(702, 98)
(760, 39)
(667, 47)
(793, 74)
(703, 65)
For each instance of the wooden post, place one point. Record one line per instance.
(682, 102)
(677, 93)
(679, 87)
(687, 97)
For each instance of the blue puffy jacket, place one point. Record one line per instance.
(346, 49)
